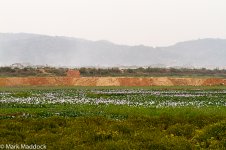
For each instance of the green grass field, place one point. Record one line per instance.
(114, 117)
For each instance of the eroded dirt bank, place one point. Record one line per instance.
(109, 81)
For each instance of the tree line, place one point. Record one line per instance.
(99, 72)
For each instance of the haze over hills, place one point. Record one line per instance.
(67, 51)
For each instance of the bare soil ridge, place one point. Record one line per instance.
(109, 81)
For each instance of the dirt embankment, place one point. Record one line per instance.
(109, 81)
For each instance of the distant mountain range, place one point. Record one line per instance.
(67, 51)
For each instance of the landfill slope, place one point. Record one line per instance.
(109, 81)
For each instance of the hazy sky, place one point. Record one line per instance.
(132, 22)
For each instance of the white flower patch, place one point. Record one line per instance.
(129, 97)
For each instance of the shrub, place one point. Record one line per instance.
(186, 130)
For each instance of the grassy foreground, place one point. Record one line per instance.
(109, 126)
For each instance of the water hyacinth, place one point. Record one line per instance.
(129, 97)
